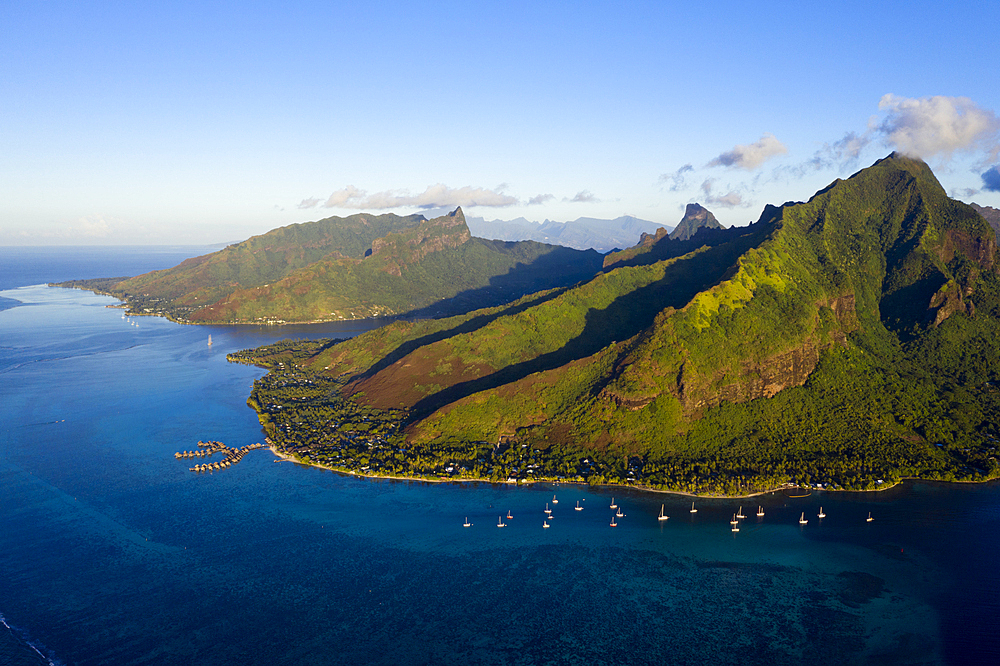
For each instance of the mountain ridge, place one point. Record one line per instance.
(351, 268)
(846, 339)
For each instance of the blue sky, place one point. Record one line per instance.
(125, 123)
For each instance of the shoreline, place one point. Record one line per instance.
(123, 304)
(887, 486)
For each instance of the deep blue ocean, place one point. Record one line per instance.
(112, 552)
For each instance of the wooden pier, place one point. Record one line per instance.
(206, 449)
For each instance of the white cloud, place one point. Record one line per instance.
(752, 155)
(583, 196)
(939, 125)
(677, 178)
(435, 196)
(343, 198)
(92, 226)
(731, 199)
(540, 199)
(308, 203)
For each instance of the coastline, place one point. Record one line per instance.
(646, 489)
(123, 303)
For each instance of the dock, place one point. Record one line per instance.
(205, 449)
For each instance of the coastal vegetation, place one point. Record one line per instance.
(848, 341)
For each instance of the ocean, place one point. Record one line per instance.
(113, 552)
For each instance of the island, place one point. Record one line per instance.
(846, 342)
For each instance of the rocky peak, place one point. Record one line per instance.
(695, 217)
(398, 250)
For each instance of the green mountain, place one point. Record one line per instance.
(354, 267)
(990, 214)
(695, 217)
(849, 340)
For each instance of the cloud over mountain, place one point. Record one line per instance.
(751, 156)
(677, 179)
(937, 126)
(435, 196)
(991, 179)
(731, 199)
(583, 196)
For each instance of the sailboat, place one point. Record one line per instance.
(466, 523)
(578, 507)
(209, 339)
(693, 510)
(734, 522)
(662, 516)
(613, 523)
(620, 514)
(739, 514)
(760, 511)
(736, 526)
(509, 516)
(613, 505)
(554, 500)
(547, 509)
(500, 522)
(821, 514)
(802, 519)
(545, 524)
(869, 518)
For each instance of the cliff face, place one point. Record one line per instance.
(695, 217)
(398, 250)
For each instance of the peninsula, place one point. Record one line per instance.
(357, 267)
(848, 341)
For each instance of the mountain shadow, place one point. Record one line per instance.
(624, 318)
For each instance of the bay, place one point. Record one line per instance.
(113, 552)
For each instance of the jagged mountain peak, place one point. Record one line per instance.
(695, 217)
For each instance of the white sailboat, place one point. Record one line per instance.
(620, 514)
(613, 523)
(693, 510)
(209, 339)
(578, 507)
(821, 514)
(802, 519)
(613, 505)
(547, 509)
(500, 522)
(760, 512)
(739, 514)
(554, 500)
(466, 523)
(869, 518)
(545, 524)
(662, 516)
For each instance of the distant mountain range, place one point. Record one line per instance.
(582, 233)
